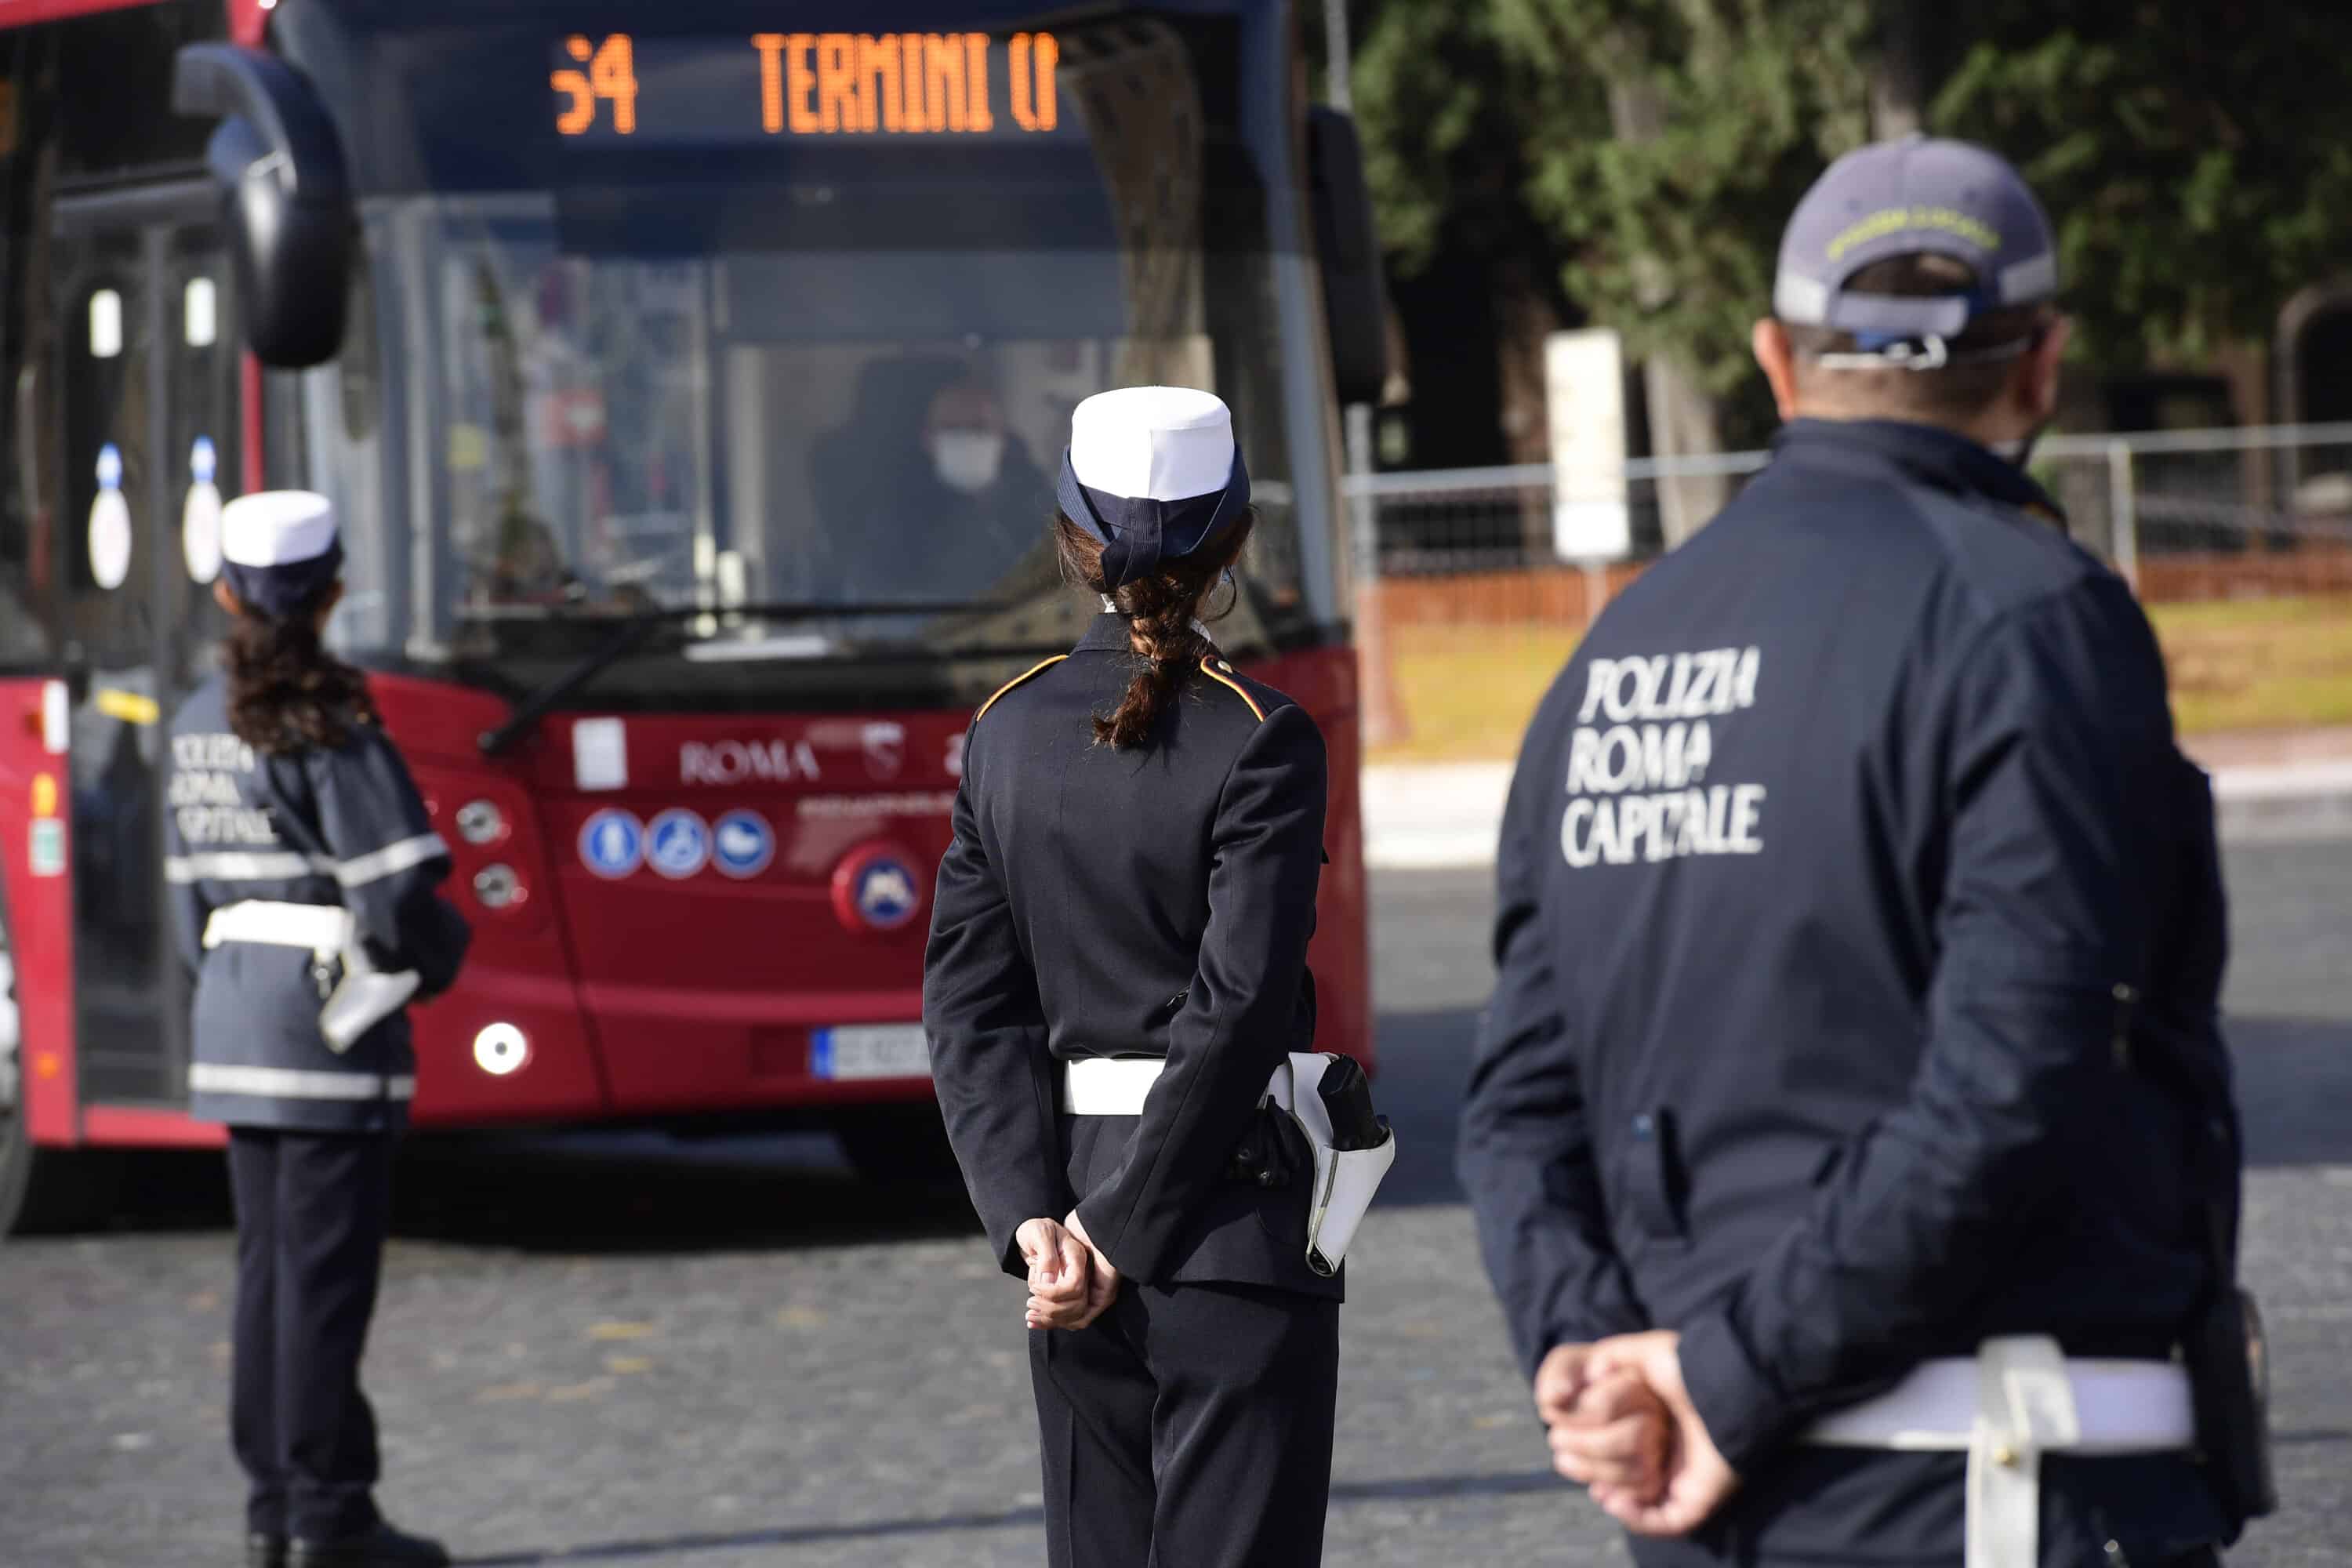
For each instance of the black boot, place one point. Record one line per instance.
(382, 1547)
(265, 1551)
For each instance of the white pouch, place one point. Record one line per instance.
(1345, 1179)
(364, 997)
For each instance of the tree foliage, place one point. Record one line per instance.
(2196, 159)
(1724, 111)
(1447, 123)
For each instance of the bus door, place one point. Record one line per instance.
(146, 385)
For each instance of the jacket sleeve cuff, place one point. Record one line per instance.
(1745, 1414)
(1111, 1240)
(1008, 1255)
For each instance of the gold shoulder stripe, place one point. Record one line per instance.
(1218, 670)
(1016, 680)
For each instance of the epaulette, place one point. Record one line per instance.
(1032, 670)
(1218, 670)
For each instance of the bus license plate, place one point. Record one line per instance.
(870, 1050)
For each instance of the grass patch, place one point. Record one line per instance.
(1468, 691)
(2246, 664)
(2258, 664)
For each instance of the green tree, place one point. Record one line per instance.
(2196, 159)
(1723, 112)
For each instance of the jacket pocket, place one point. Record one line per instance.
(1651, 1179)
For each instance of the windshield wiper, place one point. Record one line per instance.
(634, 629)
(539, 704)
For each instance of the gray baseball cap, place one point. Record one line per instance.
(1901, 198)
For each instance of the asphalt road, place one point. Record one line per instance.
(623, 1351)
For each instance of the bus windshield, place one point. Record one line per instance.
(802, 402)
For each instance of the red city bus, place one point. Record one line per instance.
(690, 390)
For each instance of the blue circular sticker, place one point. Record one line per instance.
(742, 844)
(678, 843)
(611, 843)
(885, 893)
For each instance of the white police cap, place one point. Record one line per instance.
(1152, 442)
(277, 528)
(1154, 472)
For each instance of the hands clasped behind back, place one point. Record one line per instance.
(1622, 1425)
(1070, 1283)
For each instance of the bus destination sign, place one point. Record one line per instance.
(621, 89)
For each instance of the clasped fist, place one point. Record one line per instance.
(1622, 1425)
(1070, 1283)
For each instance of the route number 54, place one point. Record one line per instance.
(611, 76)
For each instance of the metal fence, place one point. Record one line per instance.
(1470, 601)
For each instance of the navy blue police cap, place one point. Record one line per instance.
(1154, 473)
(1917, 194)
(279, 549)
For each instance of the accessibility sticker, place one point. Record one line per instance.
(742, 844)
(611, 843)
(678, 843)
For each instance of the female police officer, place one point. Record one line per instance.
(1117, 962)
(304, 871)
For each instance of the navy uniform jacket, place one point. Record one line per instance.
(1823, 863)
(342, 827)
(1148, 902)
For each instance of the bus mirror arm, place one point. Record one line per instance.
(1355, 295)
(286, 199)
(29, 443)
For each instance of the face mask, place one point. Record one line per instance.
(967, 460)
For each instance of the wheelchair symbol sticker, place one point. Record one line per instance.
(678, 843)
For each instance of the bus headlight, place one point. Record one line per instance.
(500, 1049)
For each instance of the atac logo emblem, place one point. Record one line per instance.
(886, 750)
(878, 889)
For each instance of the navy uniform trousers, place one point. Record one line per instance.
(312, 1209)
(1189, 1426)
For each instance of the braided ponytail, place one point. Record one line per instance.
(1161, 610)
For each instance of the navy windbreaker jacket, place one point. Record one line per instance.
(342, 827)
(1846, 873)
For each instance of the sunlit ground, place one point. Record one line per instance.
(1466, 692)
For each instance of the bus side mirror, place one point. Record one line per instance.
(1355, 296)
(286, 201)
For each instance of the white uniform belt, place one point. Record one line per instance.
(1108, 1086)
(323, 929)
(2120, 1407)
(2019, 1399)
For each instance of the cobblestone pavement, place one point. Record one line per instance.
(622, 1350)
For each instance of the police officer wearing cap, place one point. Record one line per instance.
(1850, 1109)
(1118, 962)
(303, 868)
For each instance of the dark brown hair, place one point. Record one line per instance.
(285, 691)
(1161, 610)
(1952, 392)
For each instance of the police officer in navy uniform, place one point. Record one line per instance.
(1850, 1109)
(1117, 964)
(303, 868)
